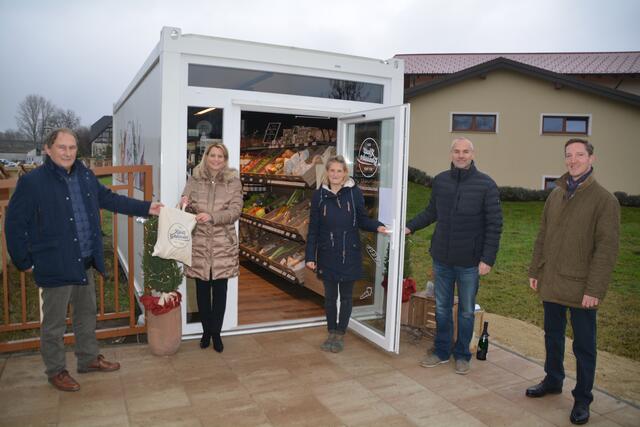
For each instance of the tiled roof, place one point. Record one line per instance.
(562, 63)
(98, 127)
(503, 63)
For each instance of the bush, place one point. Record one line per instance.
(626, 200)
(519, 194)
(419, 177)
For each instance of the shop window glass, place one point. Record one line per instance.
(290, 84)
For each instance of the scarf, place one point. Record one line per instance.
(572, 185)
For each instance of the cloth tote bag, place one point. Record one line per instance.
(174, 235)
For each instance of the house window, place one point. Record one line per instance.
(578, 125)
(549, 182)
(471, 122)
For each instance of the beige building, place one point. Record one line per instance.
(519, 118)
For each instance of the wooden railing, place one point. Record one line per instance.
(20, 315)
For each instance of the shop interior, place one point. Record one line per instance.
(282, 158)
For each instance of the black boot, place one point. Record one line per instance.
(217, 343)
(205, 340)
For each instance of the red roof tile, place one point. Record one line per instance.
(563, 63)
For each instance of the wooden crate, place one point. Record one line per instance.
(422, 314)
(422, 311)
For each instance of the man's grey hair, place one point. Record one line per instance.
(462, 138)
(53, 135)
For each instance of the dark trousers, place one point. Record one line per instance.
(211, 307)
(54, 314)
(331, 290)
(583, 322)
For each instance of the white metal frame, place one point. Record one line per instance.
(390, 339)
(176, 51)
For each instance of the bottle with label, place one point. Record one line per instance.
(483, 343)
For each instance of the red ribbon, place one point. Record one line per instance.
(171, 301)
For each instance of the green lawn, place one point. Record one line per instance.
(505, 290)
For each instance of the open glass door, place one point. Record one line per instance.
(374, 144)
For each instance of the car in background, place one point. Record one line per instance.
(8, 163)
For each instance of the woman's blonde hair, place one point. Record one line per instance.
(335, 159)
(221, 147)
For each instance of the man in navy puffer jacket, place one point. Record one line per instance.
(53, 229)
(465, 204)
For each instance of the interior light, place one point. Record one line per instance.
(205, 111)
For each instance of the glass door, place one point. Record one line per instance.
(374, 144)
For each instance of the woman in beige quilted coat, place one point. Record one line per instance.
(214, 194)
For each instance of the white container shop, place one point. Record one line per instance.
(281, 111)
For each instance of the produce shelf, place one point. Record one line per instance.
(267, 264)
(273, 227)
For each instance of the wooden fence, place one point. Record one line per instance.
(20, 314)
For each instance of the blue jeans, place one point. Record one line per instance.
(446, 277)
(583, 322)
(331, 308)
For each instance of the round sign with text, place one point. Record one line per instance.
(368, 156)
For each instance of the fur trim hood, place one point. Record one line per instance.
(225, 175)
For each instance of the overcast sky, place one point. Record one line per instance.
(81, 54)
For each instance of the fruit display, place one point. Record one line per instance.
(284, 162)
(278, 250)
(275, 218)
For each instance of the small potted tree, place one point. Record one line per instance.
(163, 314)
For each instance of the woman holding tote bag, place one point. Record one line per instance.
(214, 194)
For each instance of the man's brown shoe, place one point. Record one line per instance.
(64, 382)
(100, 365)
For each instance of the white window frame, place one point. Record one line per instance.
(589, 123)
(451, 113)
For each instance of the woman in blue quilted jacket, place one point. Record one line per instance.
(333, 244)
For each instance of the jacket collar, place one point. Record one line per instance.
(349, 183)
(562, 182)
(225, 175)
(462, 174)
(49, 164)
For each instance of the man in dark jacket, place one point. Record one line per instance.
(465, 204)
(53, 230)
(573, 258)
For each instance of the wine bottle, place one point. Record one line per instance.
(483, 343)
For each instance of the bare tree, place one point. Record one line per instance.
(28, 118)
(34, 117)
(46, 114)
(64, 119)
(11, 134)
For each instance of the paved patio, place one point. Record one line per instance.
(283, 378)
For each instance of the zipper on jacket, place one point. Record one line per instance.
(331, 236)
(338, 201)
(344, 246)
(325, 210)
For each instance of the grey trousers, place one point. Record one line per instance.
(54, 313)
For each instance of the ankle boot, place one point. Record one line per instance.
(326, 345)
(338, 343)
(217, 343)
(205, 340)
